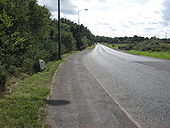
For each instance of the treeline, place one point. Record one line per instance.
(128, 40)
(153, 45)
(103, 39)
(120, 40)
(139, 43)
(27, 33)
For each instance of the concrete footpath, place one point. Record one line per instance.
(77, 100)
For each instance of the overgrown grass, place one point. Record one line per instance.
(91, 47)
(161, 55)
(23, 108)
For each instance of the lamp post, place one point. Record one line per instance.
(112, 30)
(79, 35)
(79, 14)
(59, 34)
(166, 35)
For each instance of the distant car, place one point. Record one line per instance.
(97, 43)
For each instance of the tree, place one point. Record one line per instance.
(28, 33)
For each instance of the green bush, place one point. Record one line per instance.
(28, 34)
(147, 46)
(2, 78)
(125, 47)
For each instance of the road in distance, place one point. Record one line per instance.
(140, 84)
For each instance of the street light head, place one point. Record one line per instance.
(86, 9)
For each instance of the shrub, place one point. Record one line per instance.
(147, 46)
(2, 78)
(125, 47)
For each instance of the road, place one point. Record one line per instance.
(77, 99)
(141, 85)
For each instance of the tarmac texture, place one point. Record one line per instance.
(141, 85)
(77, 100)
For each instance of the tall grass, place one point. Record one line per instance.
(161, 55)
(23, 108)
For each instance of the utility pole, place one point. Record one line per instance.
(79, 38)
(59, 34)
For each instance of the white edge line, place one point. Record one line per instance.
(126, 113)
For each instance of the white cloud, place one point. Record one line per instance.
(166, 13)
(67, 6)
(118, 17)
(149, 29)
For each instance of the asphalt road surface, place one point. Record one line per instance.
(141, 85)
(78, 100)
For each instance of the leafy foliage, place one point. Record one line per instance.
(137, 43)
(152, 45)
(28, 33)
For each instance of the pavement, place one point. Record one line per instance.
(79, 100)
(141, 85)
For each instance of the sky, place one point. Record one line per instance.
(117, 18)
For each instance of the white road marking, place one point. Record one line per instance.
(126, 113)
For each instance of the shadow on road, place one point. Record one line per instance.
(58, 102)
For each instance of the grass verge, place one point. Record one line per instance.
(23, 108)
(91, 47)
(161, 55)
